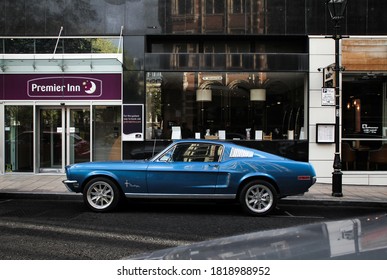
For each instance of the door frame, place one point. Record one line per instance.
(64, 130)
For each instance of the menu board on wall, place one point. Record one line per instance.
(325, 133)
(132, 122)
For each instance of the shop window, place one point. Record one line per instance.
(222, 105)
(364, 123)
(18, 138)
(106, 133)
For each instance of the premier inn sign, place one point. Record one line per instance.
(64, 86)
(61, 87)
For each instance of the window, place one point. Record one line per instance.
(65, 45)
(182, 57)
(174, 101)
(107, 133)
(214, 7)
(364, 122)
(212, 50)
(238, 6)
(182, 7)
(19, 139)
(193, 152)
(235, 51)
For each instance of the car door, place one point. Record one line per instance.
(186, 168)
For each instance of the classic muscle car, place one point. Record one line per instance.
(194, 169)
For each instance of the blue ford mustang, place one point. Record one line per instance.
(194, 169)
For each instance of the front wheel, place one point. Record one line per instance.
(258, 198)
(101, 195)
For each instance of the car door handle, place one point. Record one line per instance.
(214, 165)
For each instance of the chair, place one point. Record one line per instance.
(348, 155)
(378, 156)
(268, 136)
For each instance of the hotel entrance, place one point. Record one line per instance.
(63, 137)
(53, 117)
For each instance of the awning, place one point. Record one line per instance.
(24, 63)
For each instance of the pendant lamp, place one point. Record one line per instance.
(258, 94)
(204, 95)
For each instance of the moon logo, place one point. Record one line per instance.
(90, 87)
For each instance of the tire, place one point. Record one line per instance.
(101, 195)
(258, 198)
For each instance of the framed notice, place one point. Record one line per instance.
(325, 133)
(328, 97)
(132, 122)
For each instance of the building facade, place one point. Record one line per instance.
(120, 79)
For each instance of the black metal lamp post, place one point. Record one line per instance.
(337, 9)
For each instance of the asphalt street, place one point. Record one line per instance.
(44, 229)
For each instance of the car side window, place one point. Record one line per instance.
(197, 152)
(166, 156)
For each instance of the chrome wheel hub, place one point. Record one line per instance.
(259, 198)
(100, 195)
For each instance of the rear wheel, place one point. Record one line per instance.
(258, 198)
(101, 195)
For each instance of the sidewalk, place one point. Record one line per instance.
(35, 185)
(43, 185)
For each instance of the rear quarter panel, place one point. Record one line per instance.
(283, 173)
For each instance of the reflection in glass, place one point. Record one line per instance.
(214, 7)
(50, 139)
(19, 46)
(172, 100)
(79, 135)
(364, 122)
(65, 45)
(104, 17)
(107, 133)
(18, 138)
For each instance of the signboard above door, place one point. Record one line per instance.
(61, 87)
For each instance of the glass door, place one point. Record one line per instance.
(64, 137)
(51, 140)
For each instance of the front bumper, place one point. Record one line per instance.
(71, 185)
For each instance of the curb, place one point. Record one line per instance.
(40, 195)
(330, 202)
(285, 201)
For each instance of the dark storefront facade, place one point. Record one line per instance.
(233, 91)
(235, 70)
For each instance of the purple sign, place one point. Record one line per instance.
(132, 122)
(62, 87)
